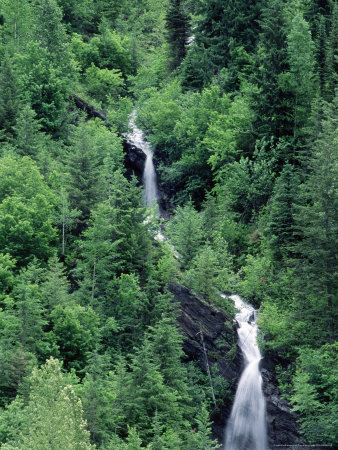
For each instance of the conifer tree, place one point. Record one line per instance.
(28, 138)
(177, 29)
(281, 223)
(10, 95)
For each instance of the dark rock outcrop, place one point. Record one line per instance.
(134, 160)
(89, 110)
(282, 425)
(203, 323)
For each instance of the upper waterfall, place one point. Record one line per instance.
(137, 137)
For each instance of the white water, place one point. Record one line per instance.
(246, 428)
(136, 137)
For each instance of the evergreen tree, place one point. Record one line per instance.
(29, 309)
(66, 218)
(270, 101)
(331, 63)
(28, 138)
(99, 257)
(10, 95)
(299, 79)
(55, 288)
(177, 29)
(82, 167)
(281, 223)
(185, 230)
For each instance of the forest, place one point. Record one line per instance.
(239, 102)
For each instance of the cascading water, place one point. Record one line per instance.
(136, 137)
(246, 428)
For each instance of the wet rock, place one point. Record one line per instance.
(134, 160)
(282, 426)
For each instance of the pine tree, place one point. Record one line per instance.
(66, 218)
(82, 167)
(29, 309)
(99, 257)
(299, 79)
(185, 231)
(270, 101)
(331, 63)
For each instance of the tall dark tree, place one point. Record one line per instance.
(10, 96)
(270, 102)
(281, 223)
(177, 31)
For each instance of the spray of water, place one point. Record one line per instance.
(246, 428)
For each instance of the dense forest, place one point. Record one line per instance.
(239, 101)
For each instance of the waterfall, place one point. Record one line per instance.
(136, 137)
(246, 428)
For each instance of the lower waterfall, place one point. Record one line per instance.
(246, 428)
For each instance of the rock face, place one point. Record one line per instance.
(201, 322)
(282, 425)
(210, 338)
(134, 160)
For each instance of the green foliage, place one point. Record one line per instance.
(315, 393)
(52, 416)
(103, 83)
(177, 28)
(241, 130)
(75, 329)
(185, 231)
(25, 210)
(10, 98)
